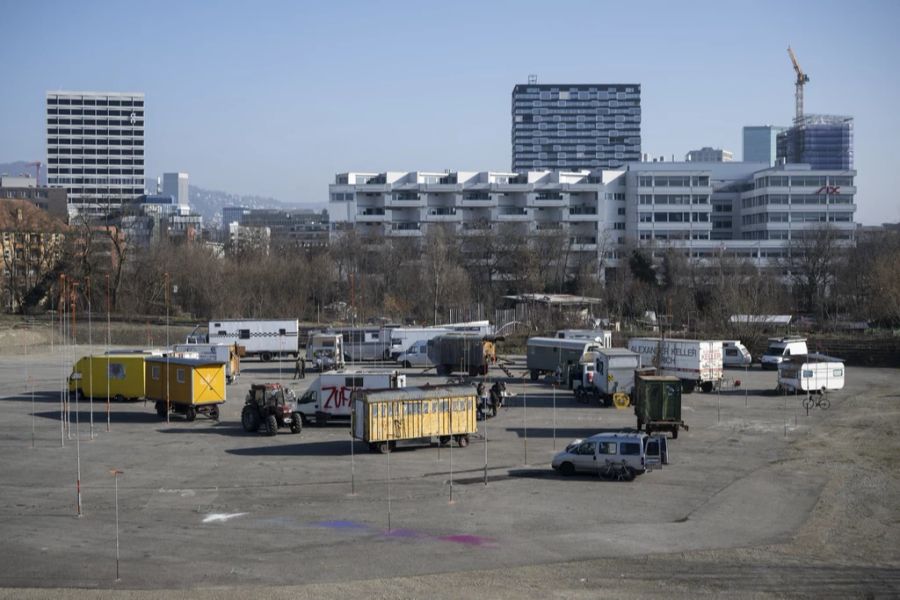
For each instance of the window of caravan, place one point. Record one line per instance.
(154, 372)
(116, 371)
(838, 372)
(244, 334)
(282, 332)
(179, 375)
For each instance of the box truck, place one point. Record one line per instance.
(471, 353)
(328, 397)
(414, 415)
(548, 355)
(607, 376)
(694, 362)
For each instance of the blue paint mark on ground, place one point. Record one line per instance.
(341, 525)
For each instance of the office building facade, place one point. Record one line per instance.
(575, 127)
(821, 141)
(760, 143)
(176, 186)
(707, 154)
(95, 149)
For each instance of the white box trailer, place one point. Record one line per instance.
(695, 362)
(814, 373)
(328, 397)
(265, 338)
(403, 338)
(600, 336)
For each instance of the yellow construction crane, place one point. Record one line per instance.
(802, 79)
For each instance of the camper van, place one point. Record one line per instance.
(735, 354)
(782, 348)
(325, 351)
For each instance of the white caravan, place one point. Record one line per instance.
(265, 338)
(599, 336)
(735, 354)
(815, 373)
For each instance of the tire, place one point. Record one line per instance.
(688, 386)
(567, 469)
(250, 419)
(628, 474)
(675, 433)
(707, 386)
(265, 356)
(444, 440)
(535, 374)
(161, 410)
(271, 425)
(384, 447)
(296, 423)
(190, 413)
(214, 413)
(462, 441)
(824, 403)
(407, 364)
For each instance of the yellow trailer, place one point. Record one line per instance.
(382, 418)
(185, 385)
(115, 376)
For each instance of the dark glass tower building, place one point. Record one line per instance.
(825, 142)
(570, 127)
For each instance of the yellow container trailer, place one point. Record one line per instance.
(186, 386)
(384, 418)
(115, 376)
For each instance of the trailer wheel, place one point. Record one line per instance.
(385, 447)
(250, 419)
(462, 441)
(567, 469)
(296, 423)
(407, 364)
(535, 374)
(190, 414)
(266, 356)
(688, 386)
(675, 433)
(271, 425)
(707, 386)
(161, 410)
(214, 413)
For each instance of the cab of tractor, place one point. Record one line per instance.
(270, 405)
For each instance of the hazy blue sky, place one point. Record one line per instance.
(276, 97)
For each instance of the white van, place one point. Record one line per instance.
(328, 397)
(603, 452)
(735, 354)
(416, 356)
(781, 348)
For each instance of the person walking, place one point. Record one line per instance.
(299, 367)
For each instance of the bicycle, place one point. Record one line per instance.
(615, 471)
(817, 401)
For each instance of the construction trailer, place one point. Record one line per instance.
(470, 353)
(115, 376)
(414, 415)
(228, 354)
(188, 386)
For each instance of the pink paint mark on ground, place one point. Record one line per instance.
(467, 540)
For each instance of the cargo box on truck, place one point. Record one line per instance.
(607, 375)
(186, 386)
(328, 397)
(694, 362)
(548, 355)
(265, 338)
(115, 376)
(414, 415)
(470, 353)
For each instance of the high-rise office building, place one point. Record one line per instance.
(176, 185)
(95, 149)
(821, 141)
(760, 143)
(578, 126)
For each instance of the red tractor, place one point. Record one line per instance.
(270, 405)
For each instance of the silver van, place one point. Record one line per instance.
(620, 456)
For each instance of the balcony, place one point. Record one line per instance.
(478, 200)
(548, 199)
(512, 214)
(443, 214)
(582, 213)
(406, 229)
(404, 201)
(370, 215)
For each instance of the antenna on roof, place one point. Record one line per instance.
(532, 79)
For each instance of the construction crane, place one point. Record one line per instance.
(802, 79)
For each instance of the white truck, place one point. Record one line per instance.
(265, 338)
(605, 374)
(695, 362)
(328, 397)
(782, 348)
(403, 338)
(599, 336)
(812, 373)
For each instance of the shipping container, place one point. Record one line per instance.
(115, 376)
(384, 418)
(470, 353)
(185, 385)
(657, 403)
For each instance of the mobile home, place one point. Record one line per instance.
(185, 385)
(116, 376)
(814, 373)
(265, 338)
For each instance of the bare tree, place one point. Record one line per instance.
(813, 260)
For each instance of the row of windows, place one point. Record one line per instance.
(54, 101)
(798, 217)
(673, 217)
(674, 199)
(104, 131)
(96, 151)
(89, 171)
(100, 194)
(576, 119)
(94, 142)
(94, 161)
(674, 235)
(796, 199)
(673, 180)
(803, 181)
(75, 112)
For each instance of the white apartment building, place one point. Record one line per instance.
(95, 148)
(746, 210)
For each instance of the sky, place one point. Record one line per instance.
(275, 98)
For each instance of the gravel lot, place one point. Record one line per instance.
(759, 499)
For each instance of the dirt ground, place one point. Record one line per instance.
(848, 545)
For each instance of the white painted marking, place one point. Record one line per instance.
(221, 517)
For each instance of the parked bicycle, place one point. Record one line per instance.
(617, 471)
(816, 401)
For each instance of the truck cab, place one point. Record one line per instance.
(781, 349)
